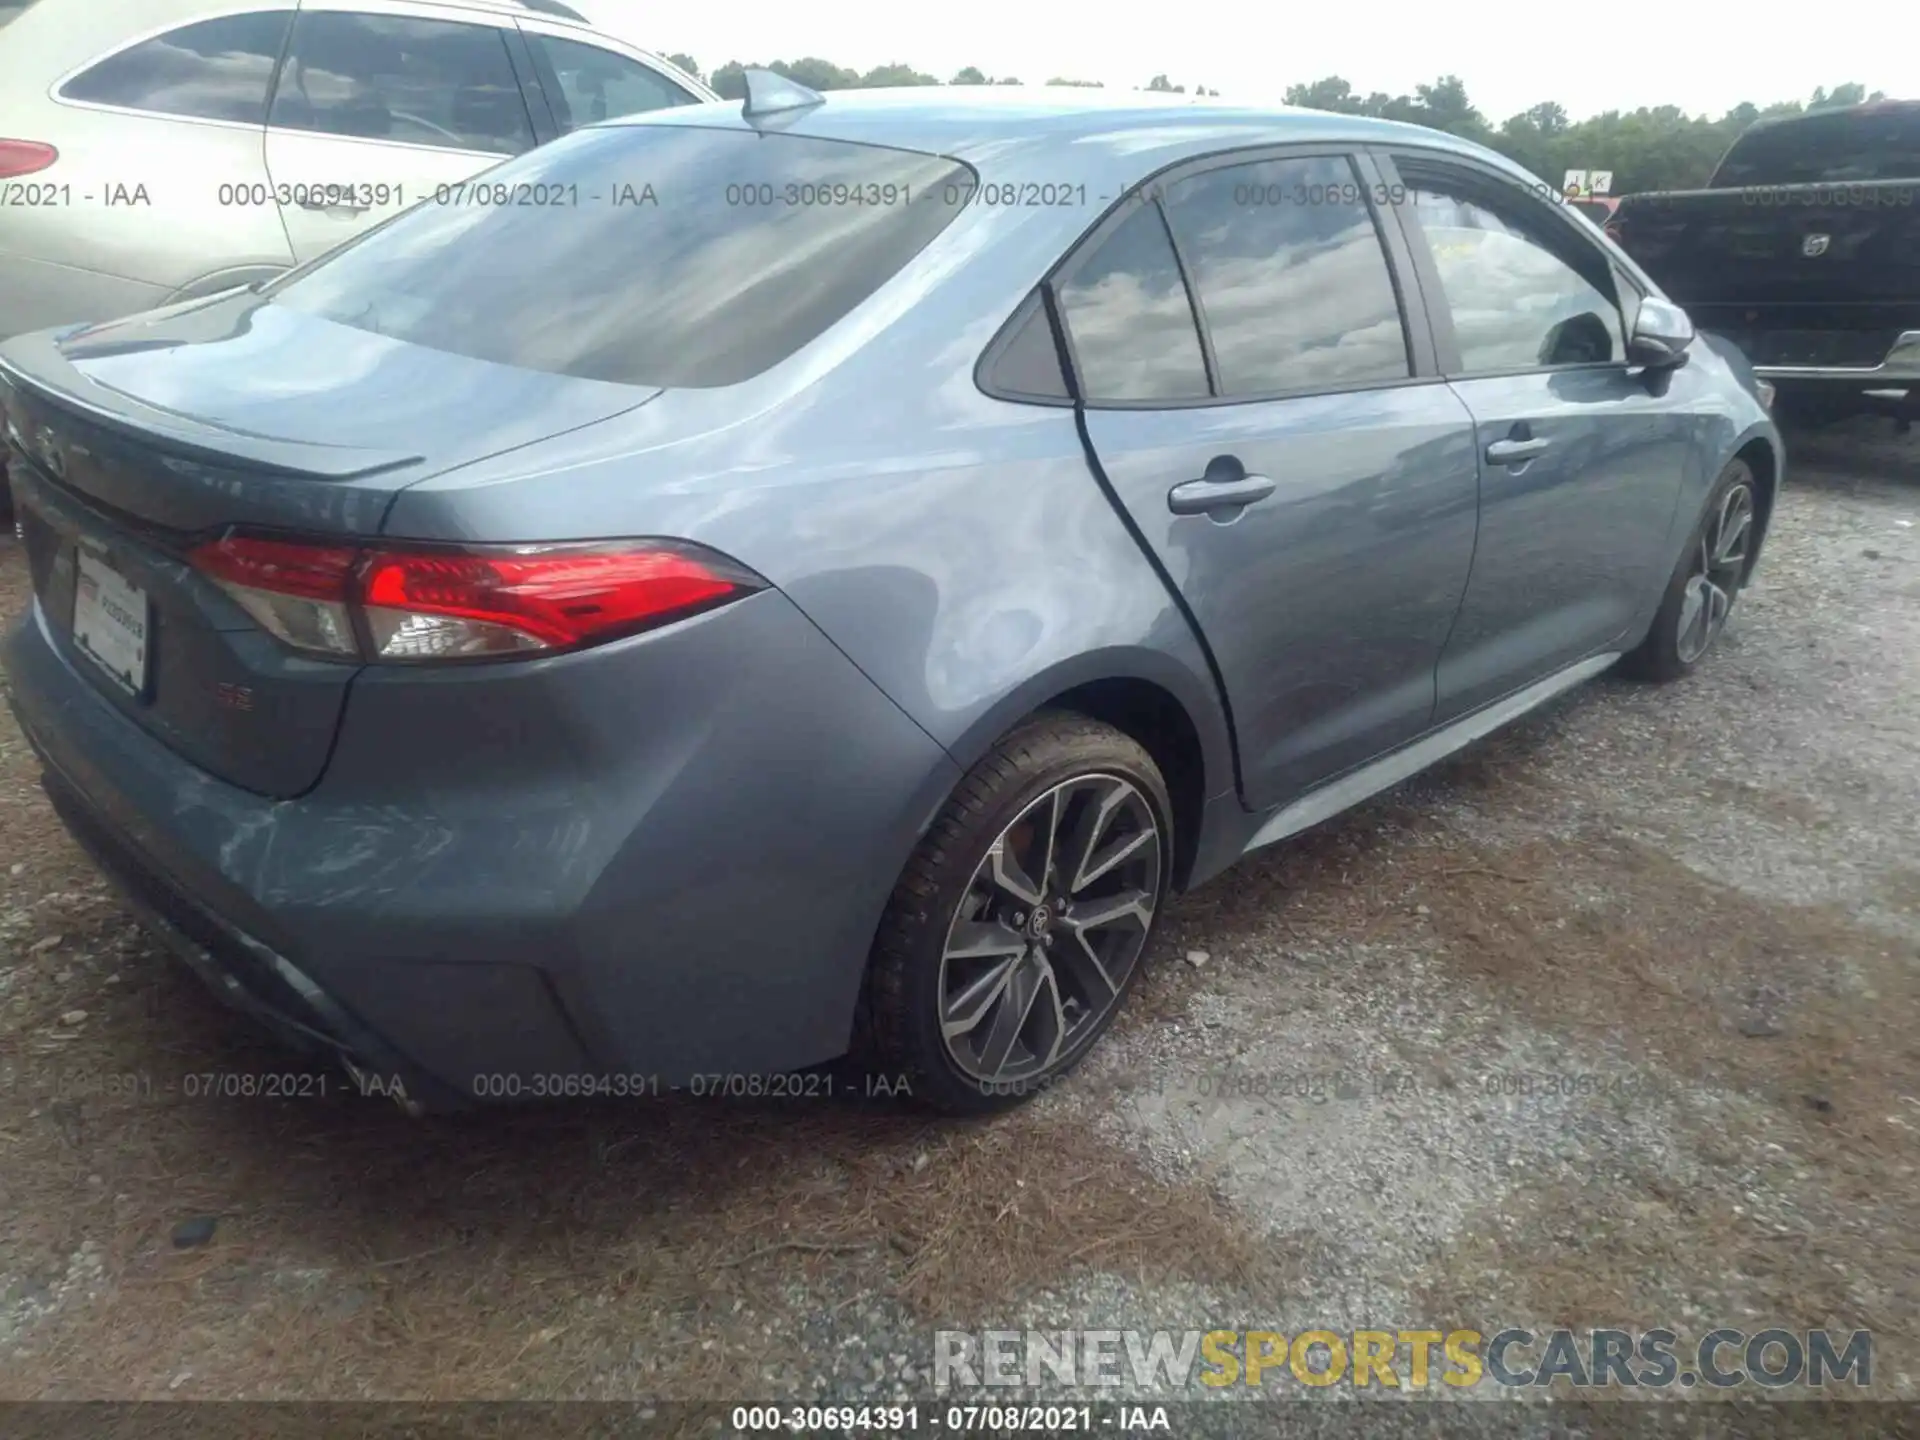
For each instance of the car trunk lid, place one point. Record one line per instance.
(134, 442)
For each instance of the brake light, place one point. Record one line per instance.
(298, 592)
(25, 157)
(465, 604)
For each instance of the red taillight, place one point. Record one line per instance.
(25, 157)
(300, 593)
(443, 604)
(286, 567)
(426, 605)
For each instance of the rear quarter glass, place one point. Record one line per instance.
(11, 12)
(643, 255)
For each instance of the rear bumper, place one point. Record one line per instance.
(520, 886)
(1899, 368)
(249, 976)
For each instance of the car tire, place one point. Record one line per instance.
(962, 939)
(1705, 583)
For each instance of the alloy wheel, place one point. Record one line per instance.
(1719, 562)
(1049, 929)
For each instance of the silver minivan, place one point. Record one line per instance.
(159, 150)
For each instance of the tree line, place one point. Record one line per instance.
(1653, 148)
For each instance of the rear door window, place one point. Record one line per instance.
(437, 83)
(212, 70)
(1126, 308)
(1291, 275)
(590, 84)
(663, 255)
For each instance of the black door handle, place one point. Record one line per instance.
(1202, 497)
(1515, 452)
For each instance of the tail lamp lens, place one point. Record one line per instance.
(25, 157)
(484, 603)
(299, 593)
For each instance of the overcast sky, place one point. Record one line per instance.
(1511, 53)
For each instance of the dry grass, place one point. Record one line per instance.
(1802, 1014)
(527, 1252)
(1668, 972)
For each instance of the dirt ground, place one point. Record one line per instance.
(1613, 1020)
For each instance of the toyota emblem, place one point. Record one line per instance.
(1815, 245)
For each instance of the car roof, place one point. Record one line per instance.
(54, 36)
(1132, 130)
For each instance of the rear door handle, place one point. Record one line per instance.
(334, 207)
(1515, 452)
(1201, 497)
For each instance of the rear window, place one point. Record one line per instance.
(1846, 146)
(642, 255)
(211, 70)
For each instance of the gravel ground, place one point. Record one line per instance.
(1609, 1021)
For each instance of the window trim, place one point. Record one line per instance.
(289, 8)
(1209, 358)
(1421, 353)
(533, 89)
(1489, 180)
(507, 33)
(1136, 198)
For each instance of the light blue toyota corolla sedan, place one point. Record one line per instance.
(757, 582)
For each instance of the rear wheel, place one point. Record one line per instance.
(1018, 927)
(1701, 592)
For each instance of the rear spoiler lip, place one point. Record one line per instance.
(180, 434)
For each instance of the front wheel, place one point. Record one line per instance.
(1704, 585)
(1019, 925)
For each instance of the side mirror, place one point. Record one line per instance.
(1662, 335)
